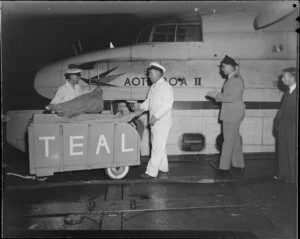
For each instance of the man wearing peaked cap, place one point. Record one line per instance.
(70, 89)
(73, 71)
(156, 66)
(229, 61)
(232, 114)
(159, 103)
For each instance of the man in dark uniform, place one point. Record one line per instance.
(232, 114)
(286, 127)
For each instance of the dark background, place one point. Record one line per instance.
(30, 42)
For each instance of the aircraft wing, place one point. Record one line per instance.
(278, 11)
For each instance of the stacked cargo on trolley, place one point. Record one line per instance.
(87, 141)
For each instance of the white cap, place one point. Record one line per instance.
(122, 105)
(73, 71)
(154, 65)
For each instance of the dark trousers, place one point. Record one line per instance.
(287, 153)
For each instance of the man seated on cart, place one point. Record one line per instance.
(70, 90)
(72, 100)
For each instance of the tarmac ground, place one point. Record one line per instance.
(188, 202)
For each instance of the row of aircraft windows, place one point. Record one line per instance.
(171, 33)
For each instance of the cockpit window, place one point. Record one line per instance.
(164, 33)
(144, 35)
(188, 33)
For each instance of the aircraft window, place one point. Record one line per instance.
(164, 33)
(144, 35)
(188, 33)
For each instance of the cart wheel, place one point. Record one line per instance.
(117, 172)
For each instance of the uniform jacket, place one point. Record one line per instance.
(159, 102)
(233, 107)
(66, 92)
(287, 114)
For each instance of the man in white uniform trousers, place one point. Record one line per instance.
(71, 89)
(159, 103)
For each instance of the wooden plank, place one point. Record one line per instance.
(111, 220)
(114, 192)
(116, 207)
(170, 179)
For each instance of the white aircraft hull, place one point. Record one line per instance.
(192, 70)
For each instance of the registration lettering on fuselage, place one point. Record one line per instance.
(173, 81)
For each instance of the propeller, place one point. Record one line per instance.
(107, 72)
(100, 79)
(96, 82)
(106, 78)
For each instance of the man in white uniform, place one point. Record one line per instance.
(71, 89)
(159, 103)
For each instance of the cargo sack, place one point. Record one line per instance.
(87, 103)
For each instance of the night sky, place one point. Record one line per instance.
(32, 42)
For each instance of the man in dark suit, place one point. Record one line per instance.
(232, 114)
(286, 127)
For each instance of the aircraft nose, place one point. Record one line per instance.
(48, 79)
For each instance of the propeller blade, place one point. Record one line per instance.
(89, 81)
(107, 78)
(95, 82)
(103, 84)
(85, 80)
(107, 72)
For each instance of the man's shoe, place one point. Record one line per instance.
(163, 175)
(146, 176)
(222, 174)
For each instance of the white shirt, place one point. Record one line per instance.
(67, 92)
(159, 102)
(292, 88)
